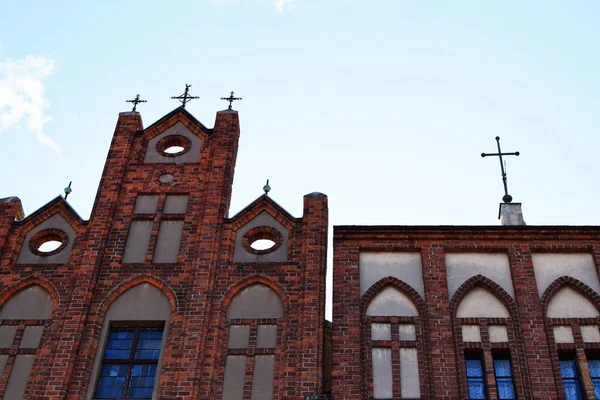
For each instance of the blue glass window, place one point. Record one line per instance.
(504, 378)
(475, 377)
(130, 362)
(570, 378)
(594, 365)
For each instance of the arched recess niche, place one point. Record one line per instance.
(140, 304)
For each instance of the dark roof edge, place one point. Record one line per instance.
(260, 198)
(175, 111)
(57, 199)
(392, 228)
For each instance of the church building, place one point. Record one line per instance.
(162, 294)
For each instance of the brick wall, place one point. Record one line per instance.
(537, 374)
(198, 286)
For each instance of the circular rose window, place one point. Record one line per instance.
(262, 240)
(48, 242)
(173, 145)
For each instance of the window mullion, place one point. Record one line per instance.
(130, 362)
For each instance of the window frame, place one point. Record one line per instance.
(567, 356)
(477, 356)
(594, 356)
(498, 357)
(137, 326)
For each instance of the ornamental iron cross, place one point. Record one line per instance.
(185, 97)
(230, 99)
(135, 102)
(507, 198)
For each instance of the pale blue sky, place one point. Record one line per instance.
(385, 106)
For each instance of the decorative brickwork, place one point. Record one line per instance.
(199, 285)
(533, 353)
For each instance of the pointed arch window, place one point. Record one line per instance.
(22, 321)
(132, 343)
(487, 351)
(393, 333)
(254, 319)
(573, 325)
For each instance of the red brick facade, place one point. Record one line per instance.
(199, 285)
(146, 191)
(533, 352)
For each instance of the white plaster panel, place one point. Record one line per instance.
(235, 373)
(262, 378)
(549, 267)
(33, 302)
(240, 254)
(3, 360)
(145, 204)
(563, 334)
(462, 266)
(192, 155)
(382, 373)
(404, 266)
(391, 302)
(19, 376)
(138, 239)
(409, 374)
(480, 303)
(381, 332)
(31, 337)
(498, 334)
(168, 242)
(256, 301)
(471, 333)
(407, 332)
(567, 303)
(175, 204)
(266, 337)
(239, 336)
(590, 334)
(54, 222)
(7, 337)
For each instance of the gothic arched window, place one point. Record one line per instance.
(393, 334)
(572, 321)
(487, 349)
(22, 321)
(132, 342)
(254, 319)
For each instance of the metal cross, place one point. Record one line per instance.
(507, 197)
(135, 102)
(230, 99)
(185, 97)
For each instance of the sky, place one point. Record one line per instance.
(385, 106)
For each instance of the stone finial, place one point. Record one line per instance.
(511, 214)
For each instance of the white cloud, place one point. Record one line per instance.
(281, 4)
(22, 101)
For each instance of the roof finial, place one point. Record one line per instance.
(135, 102)
(267, 188)
(230, 99)
(68, 190)
(185, 97)
(507, 198)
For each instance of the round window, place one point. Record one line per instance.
(173, 146)
(48, 242)
(262, 240)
